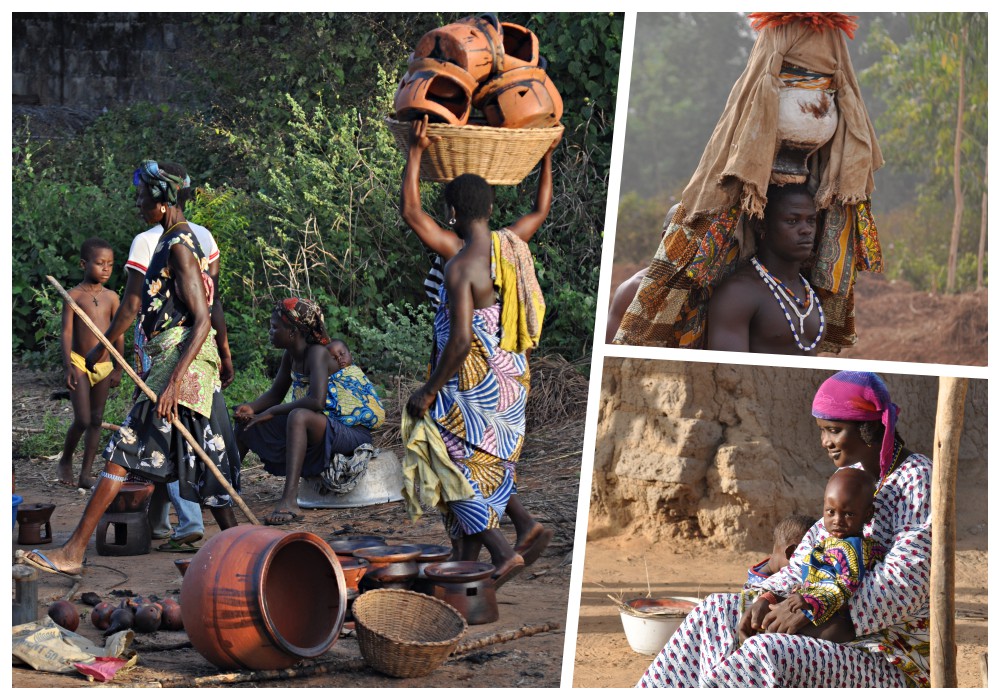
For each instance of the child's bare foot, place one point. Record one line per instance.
(64, 473)
(86, 480)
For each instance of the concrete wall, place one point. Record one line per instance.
(94, 60)
(690, 449)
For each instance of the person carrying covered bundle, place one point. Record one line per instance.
(707, 240)
(184, 373)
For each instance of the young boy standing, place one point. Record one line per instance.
(88, 390)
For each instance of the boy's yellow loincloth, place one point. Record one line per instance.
(101, 369)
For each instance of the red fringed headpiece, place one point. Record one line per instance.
(817, 21)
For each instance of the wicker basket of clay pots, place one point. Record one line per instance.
(500, 156)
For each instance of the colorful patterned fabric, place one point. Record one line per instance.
(522, 305)
(350, 398)
(162, 185)
(890, 611)
(428, 468)
(859, 396)
(305, 315)
(150, 448)
(162, 308)
(832, 572)
(756, 574)
(353, 399)
(891, 608)
(705, 653)
(202, 378)
(480, 415)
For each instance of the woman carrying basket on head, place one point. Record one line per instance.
(531, 537)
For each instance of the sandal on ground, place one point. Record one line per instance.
(181, 544)
(44, 564)
(283, 517)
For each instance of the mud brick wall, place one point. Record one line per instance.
(94, 60)
(690, 449)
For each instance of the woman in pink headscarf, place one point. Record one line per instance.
(890, 610)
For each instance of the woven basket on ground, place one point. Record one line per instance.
(406, 634)
(500, 156)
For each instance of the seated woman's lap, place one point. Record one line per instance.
(705, 652)
(268, 440)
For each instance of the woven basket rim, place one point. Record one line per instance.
(393, 592)
(480, 128)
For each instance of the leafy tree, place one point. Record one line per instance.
(935, 87)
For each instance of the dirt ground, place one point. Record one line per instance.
(629, 566)
(896, 322)
(548, 483)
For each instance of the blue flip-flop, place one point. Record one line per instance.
(47, 567)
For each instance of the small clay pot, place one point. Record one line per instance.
(121, 619)
(354, 568)
(520, 46)
(182, 564)
(473, 43)
(65, 614)
(147, 619)
(131, 498)
(521, 98)
(345, 546)
(389, 567)
(33, 523)
(100, 616)
(171, 619)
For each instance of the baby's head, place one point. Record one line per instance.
(787, 535)
(339, 351)
(848, 502)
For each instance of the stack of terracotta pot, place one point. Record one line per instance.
(479, 63)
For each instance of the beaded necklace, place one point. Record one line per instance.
(779, 290)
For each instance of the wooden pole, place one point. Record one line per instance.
(152, 397)
(947, 431)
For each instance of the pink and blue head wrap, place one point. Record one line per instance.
(859, 396)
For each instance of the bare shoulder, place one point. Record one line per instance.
(743, 286)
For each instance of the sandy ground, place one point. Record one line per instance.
(896, 322)
(547, 477)
(622, 566)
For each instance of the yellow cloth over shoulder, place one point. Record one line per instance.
(522, 305)
(426, 464)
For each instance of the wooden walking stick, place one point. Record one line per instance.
(152, 397)
(947, 431)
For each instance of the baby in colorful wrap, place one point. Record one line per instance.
(833, 570)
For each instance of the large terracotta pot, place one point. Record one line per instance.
(807, 119)
(522, 98)
(262, 598)
(441, 90)
(473, 43)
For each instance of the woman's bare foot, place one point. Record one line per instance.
(86, 480)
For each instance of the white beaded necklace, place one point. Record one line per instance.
(779, 290)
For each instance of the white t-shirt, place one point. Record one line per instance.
(144, 244)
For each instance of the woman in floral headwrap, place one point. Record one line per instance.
(299, 438)
(890, 610)
(175, 317)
